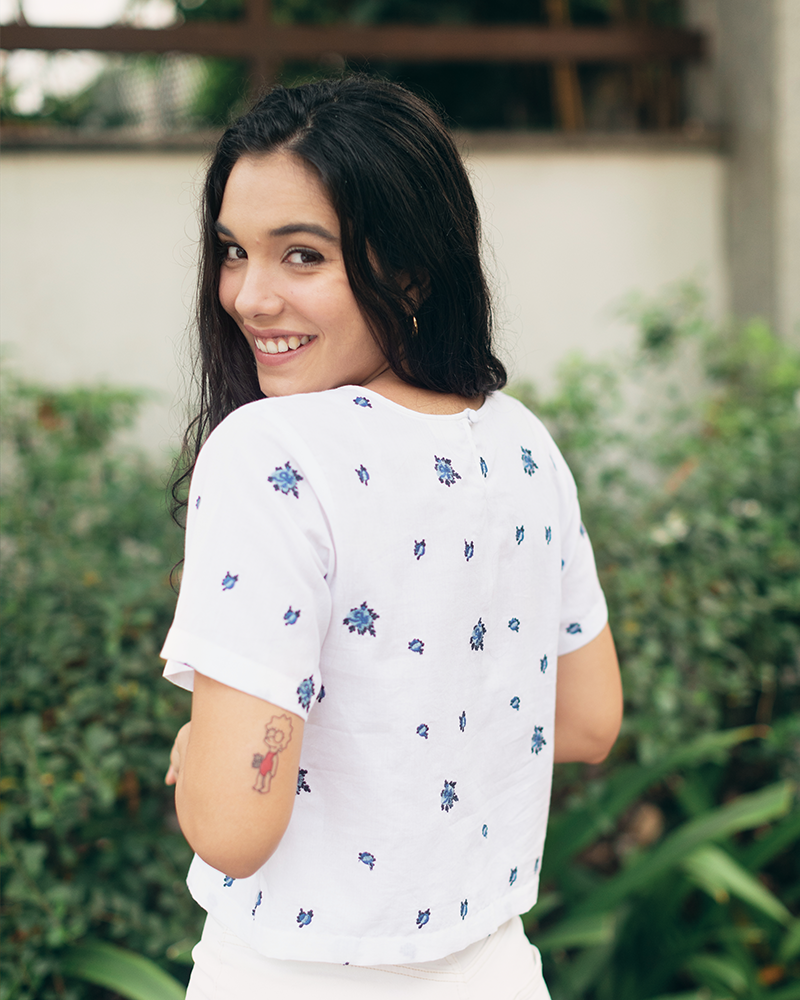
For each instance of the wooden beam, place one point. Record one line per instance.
(405, 43)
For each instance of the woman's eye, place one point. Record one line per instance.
(230, 251)
(300, 256)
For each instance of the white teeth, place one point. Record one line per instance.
(271, 347)
(304, 340)
(281, 346)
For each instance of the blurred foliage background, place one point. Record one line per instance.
(186, 93)
(672, 870)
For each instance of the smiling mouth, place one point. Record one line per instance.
(280, 345)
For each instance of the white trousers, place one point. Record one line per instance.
(503, 966)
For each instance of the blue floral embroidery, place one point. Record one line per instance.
(464, 907)
(574, 628)
(562, 563)
(537, 740)
(258, 903)
(302, 784)
(362, 401)
(417, 646)
(363, 475)
(285, 480)
(543, 663)
(227, 881)
(304, 918)
(422, 730)
(520, 533)
(514, 624)
(229, 582)
(462, 722)
(306, 692)
(419, 549)
(512, 878)
(469, 550)
(582, 530)
(536, 865)
(476, 639)
(197, 504)
(548, 534)
(291, 616)
(423, 917)
(515, 703)
(445, 471)
(361, 620)
(368, 859)
(485, 830)
(322, 692)
(528, 463)
(449, 797)
(484, 469)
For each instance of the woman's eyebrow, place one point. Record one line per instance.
(304, 227)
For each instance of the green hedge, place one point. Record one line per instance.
(671, 871)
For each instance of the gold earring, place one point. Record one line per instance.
(416, 327)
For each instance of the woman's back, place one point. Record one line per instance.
(434, 567)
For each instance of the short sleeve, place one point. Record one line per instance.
(254, 604)
(583, 606)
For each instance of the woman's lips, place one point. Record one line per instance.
(277, 348)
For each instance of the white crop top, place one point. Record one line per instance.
(405, 582)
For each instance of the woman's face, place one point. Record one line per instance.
(283, 280)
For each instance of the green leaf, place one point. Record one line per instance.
(132, 976)
(743, 813)
(715, 871)
(719, 970)
(790, 946)
(580, 932)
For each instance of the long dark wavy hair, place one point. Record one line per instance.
(405, 206)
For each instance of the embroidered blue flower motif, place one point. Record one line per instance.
(229, 582)
(258, 903)
(197, 504)
(322, 693)
(302, 784)
(464, 908)
(306, 692)
(469, 550)
(291, 616)
(285, 480)
(476, 639)
(582, 530)
(363, 475)
(574, 628)
(361, 620)
(514, 624)
(417, 646)
(462, 722)
(512, 878)
(528, 463)
(304, 918)
(422, 730)
(368, 859)
(548, 534)
(536, 865)
(520, 533)
(562, 563)
(537, 740)
(485, 830)
(449, 797)
(515, 703)
(227, 881)
(445, 471)
(423, 917)
(484, 469)
(419, 549)
(543, 663)
(362, 401)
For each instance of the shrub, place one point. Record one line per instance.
(89, 841)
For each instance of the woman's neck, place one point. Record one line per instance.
(387, 384)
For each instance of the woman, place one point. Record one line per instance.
(384, 563)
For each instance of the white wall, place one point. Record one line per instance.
(97, 251)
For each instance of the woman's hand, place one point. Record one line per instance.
(177, 754)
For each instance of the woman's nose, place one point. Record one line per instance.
(258, 294)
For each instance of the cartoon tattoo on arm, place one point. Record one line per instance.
(277, 738)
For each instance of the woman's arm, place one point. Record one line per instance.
(235, 773)
(588, 702)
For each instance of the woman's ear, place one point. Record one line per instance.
(416, 288)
